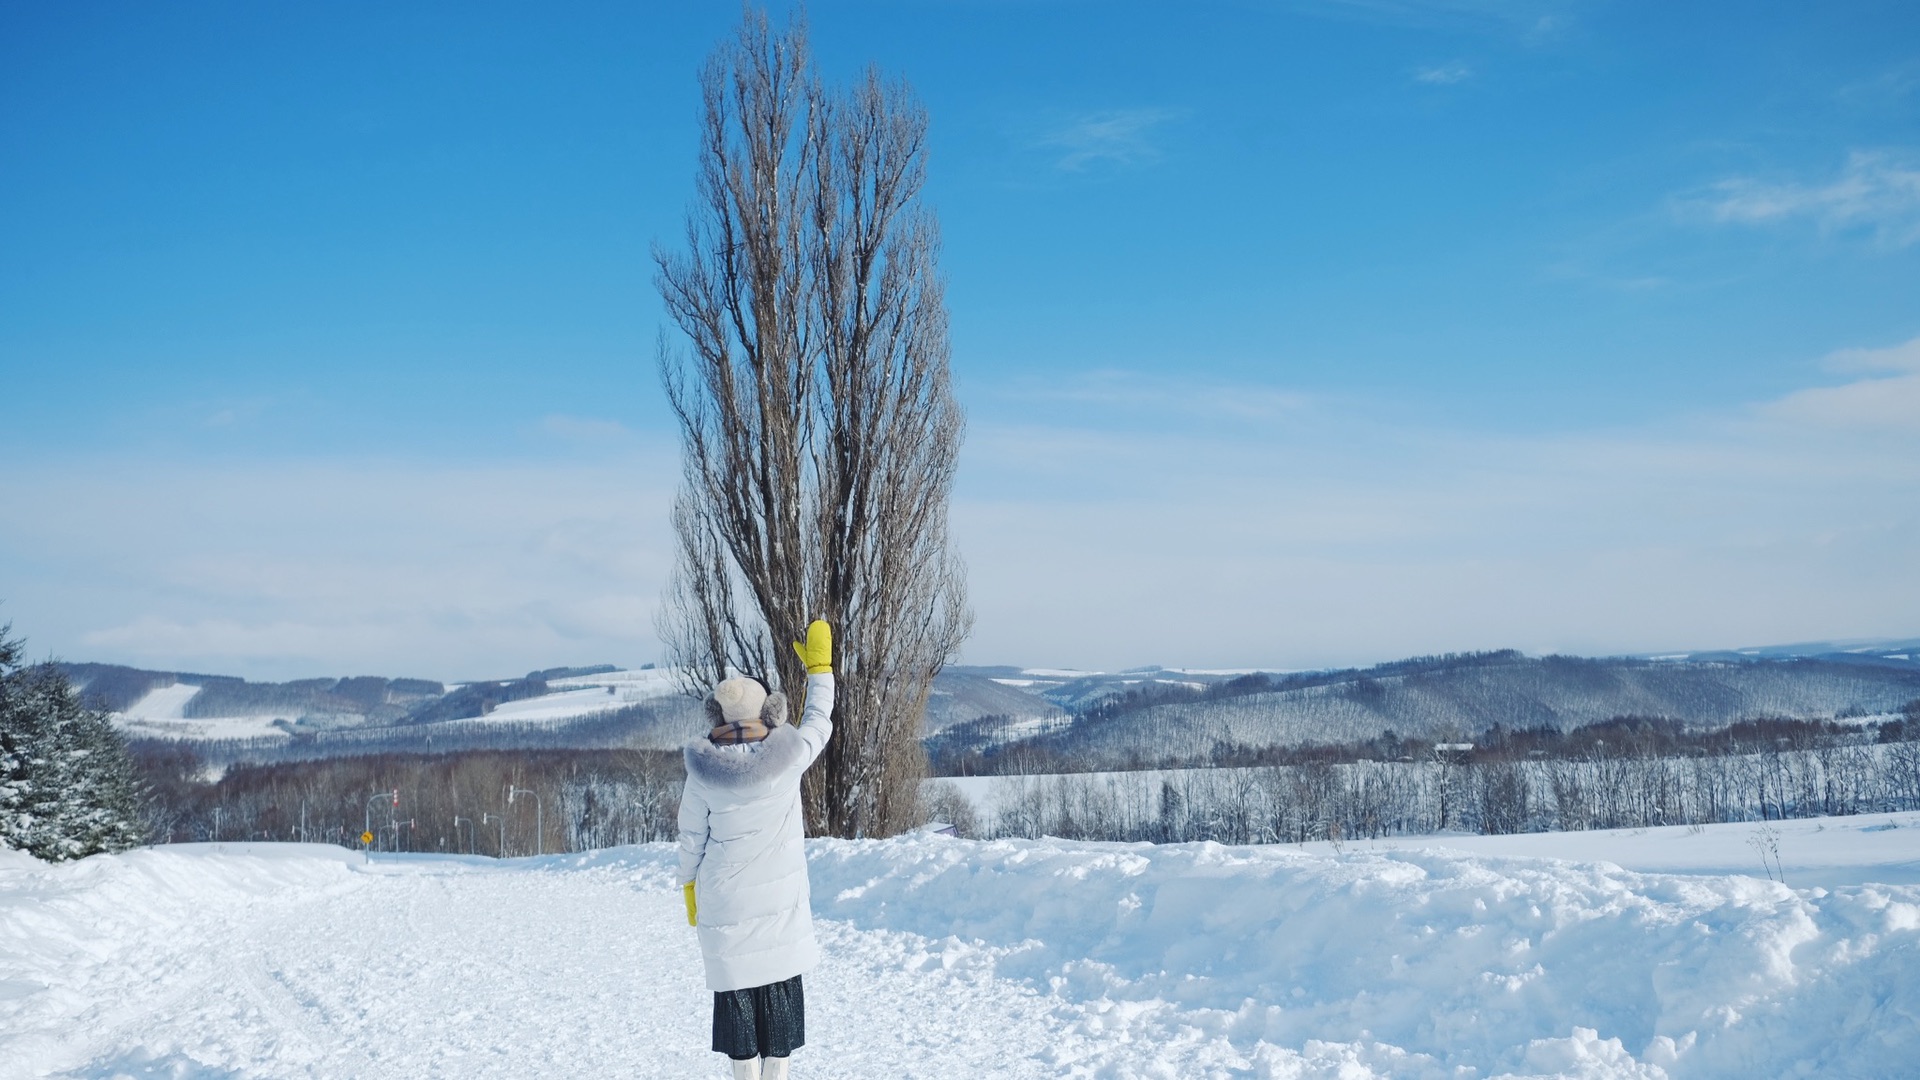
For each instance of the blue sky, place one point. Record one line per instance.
(1291, 334)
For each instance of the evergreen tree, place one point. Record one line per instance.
(67, 785)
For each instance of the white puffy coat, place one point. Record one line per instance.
(740, 844)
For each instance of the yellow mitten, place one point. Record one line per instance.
(688, 889)
(817, 652)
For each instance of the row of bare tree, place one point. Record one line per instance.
(524, 802)
(480, 802)
(1325, 801)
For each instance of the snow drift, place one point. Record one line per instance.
(1414, 962)
(949, 958)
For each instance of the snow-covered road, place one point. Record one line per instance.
(955, 959)
(283, 960)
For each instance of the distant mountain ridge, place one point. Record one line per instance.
(1862, 651)
(117, 688)
(1147, 714)
(1101, 716)
(233, 719)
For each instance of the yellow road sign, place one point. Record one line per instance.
(366, 838)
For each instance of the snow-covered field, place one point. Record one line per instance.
(629, 684)
(161, 713)
(584, 695)
(1467, 957)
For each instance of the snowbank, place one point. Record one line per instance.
(1413, 962)
(950, 958)
(1805, 852)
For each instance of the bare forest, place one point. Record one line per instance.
(497, 803)
(1623, 774)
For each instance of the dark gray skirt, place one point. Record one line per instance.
(766, 1021)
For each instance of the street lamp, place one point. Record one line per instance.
(539, 818)
(501, 851)
(457, 819)
(394, 795)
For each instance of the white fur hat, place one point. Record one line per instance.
(740, 700)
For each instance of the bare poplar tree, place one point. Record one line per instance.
(819, 430)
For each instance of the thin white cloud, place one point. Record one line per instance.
(1890, 87)
(339, 567)
(1444, 74)
(1877, 403)
(1162, 394)
(233, 413)
(1873, 403)
(1117, 137)
(1128, 519)
(1876, 192)
(1334, 534)
(585, 429)
(1902, 357)
(1535, 21)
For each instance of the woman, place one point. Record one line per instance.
(742, 865)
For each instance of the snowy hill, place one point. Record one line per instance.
(948, 958)
(1153, 714)
(1864, 651)
(180, 705)
(1096, 718)
(315, 717)
(966, 695)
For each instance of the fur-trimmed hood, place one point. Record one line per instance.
(739, 728)
(739, 768)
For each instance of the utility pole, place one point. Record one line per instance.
(539, 816)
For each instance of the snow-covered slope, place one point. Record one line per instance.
(163, 703)
(948, 958)
(182, 710)
(629, 684)
(162, 713)
(580, 696)
(961, 696)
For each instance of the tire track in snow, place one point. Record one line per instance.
(120, 941)
(262, 969)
